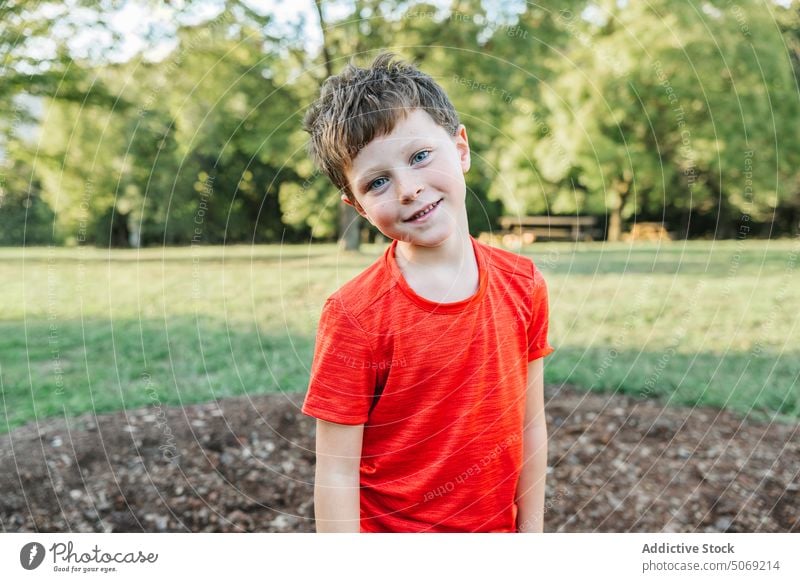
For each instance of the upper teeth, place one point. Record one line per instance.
(424, 212)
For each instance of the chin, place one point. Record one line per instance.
(429, 239)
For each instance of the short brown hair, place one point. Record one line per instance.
(359, 105)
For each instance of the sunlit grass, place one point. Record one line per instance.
(89, 329)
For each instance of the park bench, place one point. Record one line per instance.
(530, 228)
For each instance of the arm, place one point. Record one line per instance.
(336, 485)
(530, 488)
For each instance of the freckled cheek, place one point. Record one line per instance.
(384, 207)
(446, 176)
(383, 213)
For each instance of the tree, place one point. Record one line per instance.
(649, 107)
(29, 75)
(25, 219)
(349, 221)
(662, 110)
(232, 125)
(201, 157)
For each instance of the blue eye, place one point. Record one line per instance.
(377, 183)
(420, 156)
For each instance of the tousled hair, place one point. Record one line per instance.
(361, 104)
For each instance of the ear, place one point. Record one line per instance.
(356, 205)
(462, 145)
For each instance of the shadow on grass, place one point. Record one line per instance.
(91, 365)
(765, 386)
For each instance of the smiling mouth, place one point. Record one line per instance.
(424, 211)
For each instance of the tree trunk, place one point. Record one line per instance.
(119, 235)
(349, 225)
(614, 224)
(349, 228)
(621, 190)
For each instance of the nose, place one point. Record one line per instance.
(408, 188)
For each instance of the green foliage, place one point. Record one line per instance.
(25, 219)
(663, 110)
(200, 159)
(229, 130)
(661, 106)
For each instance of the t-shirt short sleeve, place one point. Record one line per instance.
(538, 346)
(342, 383)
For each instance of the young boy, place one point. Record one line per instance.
(427, 375)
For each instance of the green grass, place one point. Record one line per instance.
(92, 330)
(693, 323)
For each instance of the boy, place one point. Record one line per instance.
(427, 375)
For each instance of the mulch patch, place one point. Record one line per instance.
(246, 464)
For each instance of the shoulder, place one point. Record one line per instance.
(360, 292)
(508, 263)
(516, 275)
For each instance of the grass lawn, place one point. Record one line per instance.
(86, 329)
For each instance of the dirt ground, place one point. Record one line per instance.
(246, 464)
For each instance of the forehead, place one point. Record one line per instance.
(415, 126)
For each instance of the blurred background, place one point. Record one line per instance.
(167, 243)
(115, 115)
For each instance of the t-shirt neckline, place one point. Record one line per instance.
(432, 306)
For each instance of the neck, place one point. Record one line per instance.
(455, 251)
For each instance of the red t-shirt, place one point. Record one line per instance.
(442, 447)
